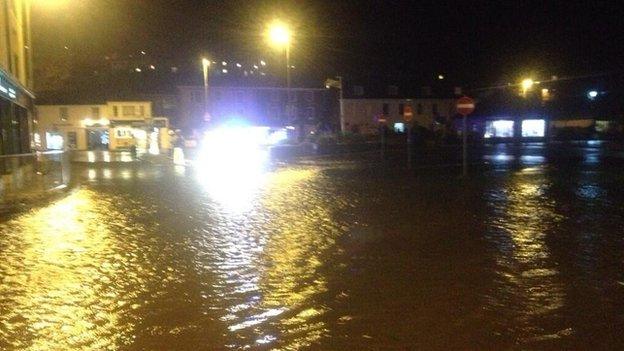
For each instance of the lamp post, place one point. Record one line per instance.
(205, 66)
(332, 83)
(279, 36)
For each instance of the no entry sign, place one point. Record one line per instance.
(465, 105)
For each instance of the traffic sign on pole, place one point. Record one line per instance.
(465, 106)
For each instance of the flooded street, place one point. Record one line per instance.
(339, 253)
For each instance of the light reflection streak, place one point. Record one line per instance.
(67, 282)
(268, 262)
(526, 215)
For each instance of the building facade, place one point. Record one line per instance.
(264, 106)
(363, 115)
(16, 97)
(113, 125)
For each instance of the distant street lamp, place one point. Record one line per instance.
(205, 66)
(592, 94)
(526, 84)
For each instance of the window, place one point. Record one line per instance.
(358, 90)
(434, 109)
(71, 140)
(399, 127)
(95, 112)
(401, 109)
(385, 109)
(419, 109)
(115, 111)
(309, 96)
(292, 96)
(310, 113)
(535, 128)
(499, 129)
(63, 113)
(127, 111)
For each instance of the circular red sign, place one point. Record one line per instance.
(465, 105)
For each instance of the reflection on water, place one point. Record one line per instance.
(268, 262)
(63, 273)
(524, 216)
(331, 256)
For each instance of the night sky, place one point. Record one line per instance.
(472, 43)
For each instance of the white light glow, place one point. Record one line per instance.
(592, 94)
(54, 141)
(499, 129)
(232, 164)
(399, 127)
(533, 128)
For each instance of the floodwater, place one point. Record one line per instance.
(324, 254)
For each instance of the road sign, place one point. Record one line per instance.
(408, 114)
(465, 105)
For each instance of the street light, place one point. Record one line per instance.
(279, 36)
(526, 84)
(205, 66)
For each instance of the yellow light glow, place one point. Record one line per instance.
(527, 84)
(205, 63)
(88, 122)
(279, 34)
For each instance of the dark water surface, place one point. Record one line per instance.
(324, 254)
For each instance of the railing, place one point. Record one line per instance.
(24, 176)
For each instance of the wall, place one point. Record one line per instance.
(15, 46)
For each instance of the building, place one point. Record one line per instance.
(364, 107)
(111, 125)
(16, 97)
(265, 106)
(582, 108)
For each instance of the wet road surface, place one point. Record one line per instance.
(339, 253)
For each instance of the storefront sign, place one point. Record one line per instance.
(7, 90)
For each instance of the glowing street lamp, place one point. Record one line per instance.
(205, 66)
(279, 36)
(526, 84)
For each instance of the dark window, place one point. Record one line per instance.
(401, 109)
(95, 112)
(309, 96)
(385, 109)
(419, 109)
(115, 111)
(358, 90)
(63, 113)
(71, 140)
